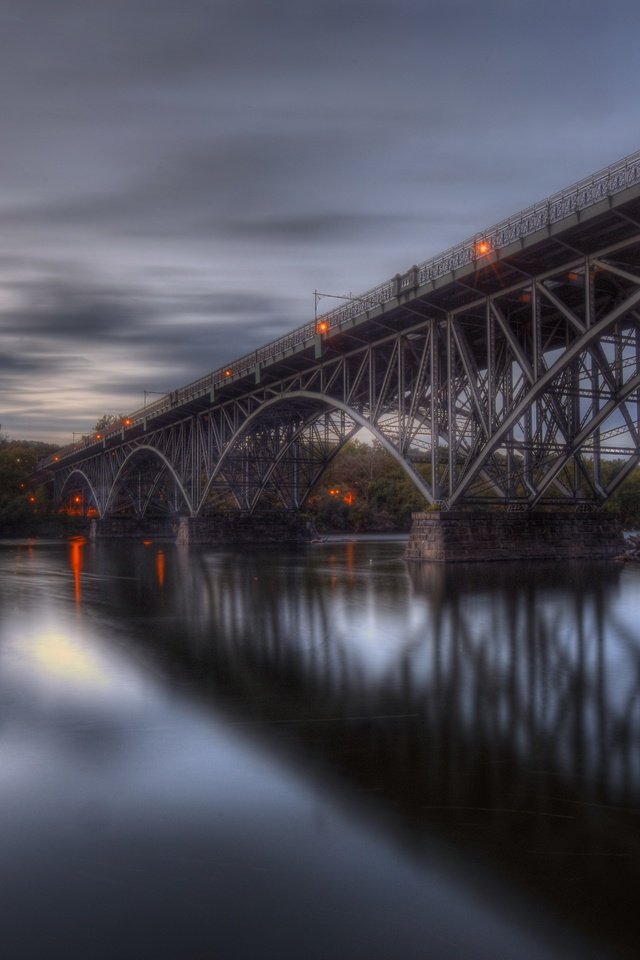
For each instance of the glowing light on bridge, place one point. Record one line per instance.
(322, 327)
(483, 247)
(228, 372)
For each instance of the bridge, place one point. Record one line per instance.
(503, 372)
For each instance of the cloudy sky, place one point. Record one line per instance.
(178, 176)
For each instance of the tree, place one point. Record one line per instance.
(362, 489)
(18, 502)
(105, 423)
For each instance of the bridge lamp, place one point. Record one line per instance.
(98, 436)
(127, 422)
(483, 247)
(228, 372)
(322, 327)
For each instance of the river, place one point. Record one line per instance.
(320, 753)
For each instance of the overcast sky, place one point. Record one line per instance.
(178, 176)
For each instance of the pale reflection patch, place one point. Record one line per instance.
(65, 659)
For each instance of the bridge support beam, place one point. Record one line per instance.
(479, 537)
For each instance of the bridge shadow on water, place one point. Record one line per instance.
(494, 711)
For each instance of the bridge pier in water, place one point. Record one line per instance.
(479, 537)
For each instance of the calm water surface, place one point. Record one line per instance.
(319, 754)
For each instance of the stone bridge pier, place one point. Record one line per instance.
(479, 537)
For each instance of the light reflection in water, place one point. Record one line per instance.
(59, 656)
(160, 567)
(76, 548)
(493, 711)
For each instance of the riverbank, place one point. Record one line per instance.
(51, 528)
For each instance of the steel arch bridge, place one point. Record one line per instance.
(505, 371)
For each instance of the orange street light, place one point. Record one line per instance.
(322, 327)
(483, 247)
(228, 372)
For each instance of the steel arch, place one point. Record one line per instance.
(327, 403)
(160, 456)
(81, 473)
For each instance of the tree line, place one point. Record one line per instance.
(21, 507)
(363, 489)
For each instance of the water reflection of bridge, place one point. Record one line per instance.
(497, 709)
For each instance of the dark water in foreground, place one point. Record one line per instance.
(321, 754)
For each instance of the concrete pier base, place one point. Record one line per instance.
(475, 537)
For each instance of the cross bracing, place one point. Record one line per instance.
(507, 378)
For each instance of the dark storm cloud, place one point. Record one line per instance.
(178, 178)
(65, 332)
(85, 314)
(33, 363)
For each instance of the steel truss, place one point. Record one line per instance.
(518, 397)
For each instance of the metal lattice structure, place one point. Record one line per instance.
(505, 371)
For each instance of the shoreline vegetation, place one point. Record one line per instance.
(363, 490)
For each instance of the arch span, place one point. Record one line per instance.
(87, 481)
(322, 403)
(135, 454)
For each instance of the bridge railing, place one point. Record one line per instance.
(581, 195)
